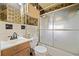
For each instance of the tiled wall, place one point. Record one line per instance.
(4, 33)
(34, 32)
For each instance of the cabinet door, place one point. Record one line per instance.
(25, 52)
(18, 48)
(46, 37)
(67, 40)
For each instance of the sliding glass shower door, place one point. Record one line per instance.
(46, 26)
(61, 29)
(66, 34)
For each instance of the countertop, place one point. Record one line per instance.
(10, 43)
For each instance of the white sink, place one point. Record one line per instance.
(10, 43)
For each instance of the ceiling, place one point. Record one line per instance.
(46, 5)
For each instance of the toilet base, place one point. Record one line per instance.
(32, 52)
(40, 54)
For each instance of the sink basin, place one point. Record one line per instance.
(10, 43)
(6, 43)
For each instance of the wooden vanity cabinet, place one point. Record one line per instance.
(24, 52)
(18, 50)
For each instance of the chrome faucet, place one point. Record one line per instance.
(11, 38)
(14, 36)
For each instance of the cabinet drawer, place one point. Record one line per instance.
(13, 50)
(24, 52)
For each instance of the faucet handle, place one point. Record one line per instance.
(10, 37)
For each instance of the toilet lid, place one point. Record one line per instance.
(41, 49)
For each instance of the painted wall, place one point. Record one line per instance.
(33, 32)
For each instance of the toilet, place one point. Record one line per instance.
(39, 50)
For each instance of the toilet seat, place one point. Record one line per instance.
(41, 49)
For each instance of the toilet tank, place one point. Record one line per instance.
(34, 42)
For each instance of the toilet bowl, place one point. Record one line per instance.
(39, 50)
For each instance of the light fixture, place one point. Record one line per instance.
(20, 3)
(35, 7)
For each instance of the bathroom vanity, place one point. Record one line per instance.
(15, 48)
